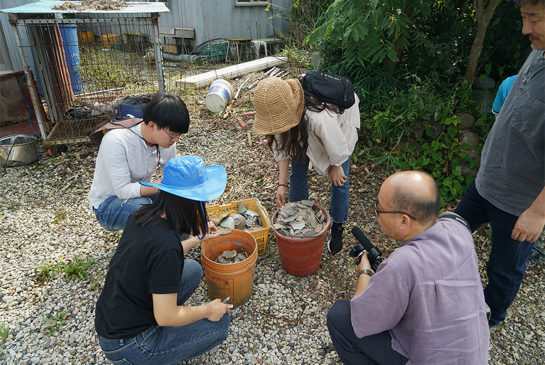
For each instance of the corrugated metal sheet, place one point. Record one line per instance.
(211, 19)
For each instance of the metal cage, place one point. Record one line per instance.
(81, 66)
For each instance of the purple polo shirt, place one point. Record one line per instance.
(429, 295)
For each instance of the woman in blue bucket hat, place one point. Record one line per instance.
(140, 316)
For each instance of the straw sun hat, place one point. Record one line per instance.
(278, 105)
(188, 177)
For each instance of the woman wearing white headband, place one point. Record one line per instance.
(140, 316)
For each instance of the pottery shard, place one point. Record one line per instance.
(319, 215)
(298, 225)
(278, 226)
(228, 222)
(291, 218)
(241, 208)
(308, 203)
(290, 210)
(240, 221)
(310, 233)
(229, 254)
(301, 205)
(223, 231)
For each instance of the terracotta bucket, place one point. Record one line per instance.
(234, 280)
(301, 256)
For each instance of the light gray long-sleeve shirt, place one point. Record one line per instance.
(123, 160)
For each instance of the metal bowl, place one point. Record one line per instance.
(18, 150)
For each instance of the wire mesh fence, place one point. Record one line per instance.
(84, 67)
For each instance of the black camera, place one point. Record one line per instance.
(374, 256)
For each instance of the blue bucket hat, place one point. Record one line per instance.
(188, 177)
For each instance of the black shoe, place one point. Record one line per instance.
(335, 243)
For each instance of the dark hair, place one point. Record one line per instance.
(294, 142)
(532, 2)
(182, 215)
(424, 209)
(167, 111)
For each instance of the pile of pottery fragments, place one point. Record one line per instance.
(298, 220)
(244, 219)
(231, 257)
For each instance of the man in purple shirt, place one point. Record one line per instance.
(425, 304)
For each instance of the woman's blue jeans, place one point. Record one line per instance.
(507, 263)
(338, 208)
(113, 213)
(170, 345)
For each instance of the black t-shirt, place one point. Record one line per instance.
(148, 260)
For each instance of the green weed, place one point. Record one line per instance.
(4, 332)
(56, 322)
(76, 269)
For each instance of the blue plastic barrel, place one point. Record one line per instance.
(69, 33)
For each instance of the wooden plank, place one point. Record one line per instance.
(230, 72)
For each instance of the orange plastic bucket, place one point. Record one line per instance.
(301, 256)
(230, 280)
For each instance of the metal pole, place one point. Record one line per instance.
(158, 53)
(13, 21)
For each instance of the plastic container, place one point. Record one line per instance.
(301, 256)
(107, 39)
(230, 280)
(215, 51)
(219, 95)
(86, 37)
(261, 235)
(69, 33)
(132, 107)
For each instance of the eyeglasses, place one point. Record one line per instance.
(378, 211)
(172, 139)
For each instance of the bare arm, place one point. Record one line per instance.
(530, 223)
(191, 242)
(148, 190)
(283, 166)
(363, 279)
(168, 313)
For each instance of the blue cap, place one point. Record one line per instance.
(188, 177)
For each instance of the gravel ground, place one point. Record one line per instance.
(46, 222)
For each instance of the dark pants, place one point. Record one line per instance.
(369, 350)
(507, 263)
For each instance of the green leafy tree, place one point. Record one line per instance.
(370, 31)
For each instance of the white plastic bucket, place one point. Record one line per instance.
(219, 95)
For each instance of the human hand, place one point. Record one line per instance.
(209, 235)
(216, 310)
(364, 263)
(280, 193)
(337, 176)
(529, 226)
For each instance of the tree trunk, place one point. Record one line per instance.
(483, 19)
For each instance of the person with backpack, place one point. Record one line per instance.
(131, 155)
(140, 316)
(302, 128)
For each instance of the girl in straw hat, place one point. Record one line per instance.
(140, 316)
(301, 128)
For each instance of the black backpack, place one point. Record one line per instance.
(332, 89)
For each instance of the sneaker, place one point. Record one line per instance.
(335, 243)
(533, 258)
